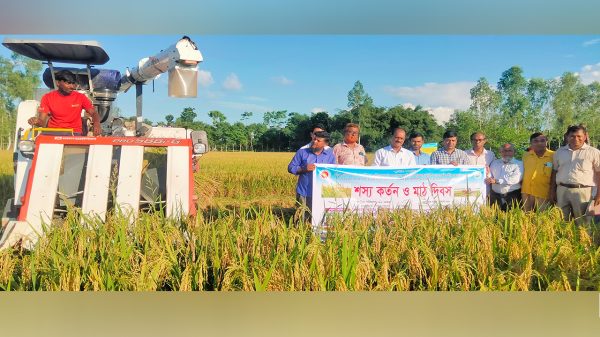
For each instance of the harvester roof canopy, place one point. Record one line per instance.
(78, 52)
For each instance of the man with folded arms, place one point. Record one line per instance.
(576, 169)
(506, 176)
(394, 154)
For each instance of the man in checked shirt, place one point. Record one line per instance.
(449, 154)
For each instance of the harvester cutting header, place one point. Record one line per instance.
(56, 170)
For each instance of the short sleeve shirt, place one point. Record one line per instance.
(537, 174)
(346, 155)
(484, 159)
(576, 166)
(65, 111)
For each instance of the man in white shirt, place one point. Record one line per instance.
(478, 155)
(394, 154)
(506, 176)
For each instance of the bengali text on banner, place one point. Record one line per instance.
(338, 189)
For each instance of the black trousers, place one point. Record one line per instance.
(504, 201)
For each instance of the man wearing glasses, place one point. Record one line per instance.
(478, 155)
(537, 163)
(350, 152)
(62, 107)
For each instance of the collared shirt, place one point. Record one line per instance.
(485, 158)
(327, 147)
(422, 159)
(302, 158)
(508, 175)
(441, 157)
(576, 166)
(387, 156)
(536, 173)
(346, 155)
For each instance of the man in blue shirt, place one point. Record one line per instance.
(303, 165)
(417, 140)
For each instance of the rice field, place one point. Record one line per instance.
(248, 237)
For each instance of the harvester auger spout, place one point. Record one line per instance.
(126, 170)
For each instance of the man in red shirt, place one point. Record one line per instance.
(61, 108)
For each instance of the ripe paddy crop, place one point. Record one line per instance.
(248, 237)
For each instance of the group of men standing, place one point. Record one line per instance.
(566, 177)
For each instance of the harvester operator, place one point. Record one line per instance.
(61, 108)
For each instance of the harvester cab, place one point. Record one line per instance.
(125, 169)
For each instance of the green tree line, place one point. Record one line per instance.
(508, 111)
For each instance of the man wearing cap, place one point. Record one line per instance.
(394, 154)
(575, 170)
(61, 108)
(303, 165)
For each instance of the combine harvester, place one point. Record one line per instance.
(125, 170)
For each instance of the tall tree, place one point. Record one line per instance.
(217, 117)
(169, 118)
(187, 116)
(512, 87)
(485, 101)
(246, 115)
(565, 104)
(358, 102)
(19, 78)
(275, 119)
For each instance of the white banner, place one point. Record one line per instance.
(338, 188)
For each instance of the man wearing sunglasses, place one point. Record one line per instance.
(62, 107)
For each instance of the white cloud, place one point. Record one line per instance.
(591, 42)
(317, 109)
(590, 73)
(205, 78)
(282, 80)
(441, 113)
(451, 95)
(232, 82)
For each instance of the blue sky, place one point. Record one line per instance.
(308, 73)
